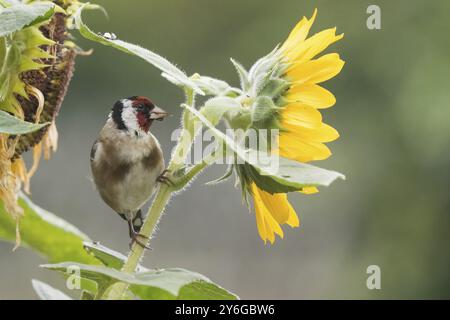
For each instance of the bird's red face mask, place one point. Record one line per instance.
(147, 112)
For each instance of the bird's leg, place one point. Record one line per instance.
(162, 178)
(135, 236)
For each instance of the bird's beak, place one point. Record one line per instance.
(158, 114)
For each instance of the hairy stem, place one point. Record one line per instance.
(137, 251)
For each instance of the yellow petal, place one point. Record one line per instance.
(291, 147)
(316, 71)
(299, 33)
(293, 220)
(264, 225)
(277, 205)
(312, 95)
(271, 211)
(259, 213)
(311, 47)
(298, 114)
(309, 190)
(273, 228)
(322, 133)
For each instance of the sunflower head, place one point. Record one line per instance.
(282, 92)
(36, 65)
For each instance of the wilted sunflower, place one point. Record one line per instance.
(284, 94)
(36, 64)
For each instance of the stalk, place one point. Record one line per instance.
(137, 251)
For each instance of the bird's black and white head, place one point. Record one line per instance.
(136, 114)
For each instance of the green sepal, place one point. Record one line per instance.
(275, 88)
(262, 71)
(243, 75)
(265, 114)
(20, 54)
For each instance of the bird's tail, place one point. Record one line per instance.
(137, 221)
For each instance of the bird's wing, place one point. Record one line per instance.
(93, 150)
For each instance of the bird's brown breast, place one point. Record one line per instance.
(125, 170)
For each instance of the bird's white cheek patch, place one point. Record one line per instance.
(130, 119)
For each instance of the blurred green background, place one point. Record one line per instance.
(392, 113)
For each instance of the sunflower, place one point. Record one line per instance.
(293, 72)
(36, 65)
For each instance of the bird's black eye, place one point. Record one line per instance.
(140, 107)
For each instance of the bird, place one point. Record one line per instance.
(127, 161)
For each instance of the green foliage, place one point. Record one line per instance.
(60, 241)
(173, 283)
(12, 125)
(20, 16)
(45, 233)
(108, 257)
(21, 48)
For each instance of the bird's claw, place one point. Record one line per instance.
(134, 239)
(163, 178)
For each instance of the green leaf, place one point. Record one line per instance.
(108, 257)
(173, 73)
(20, 16)
(153, 284)
(284, 172)
(296, 175)
(99, 274)
(12, 125)
(202, 290)
(46, 292)
(45, 233)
